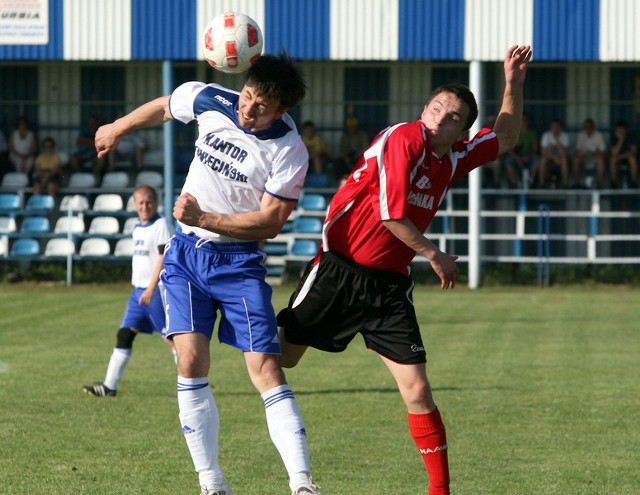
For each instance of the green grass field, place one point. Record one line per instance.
(539, 389)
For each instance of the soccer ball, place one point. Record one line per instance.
(232, 42)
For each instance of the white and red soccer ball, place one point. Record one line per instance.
(232, 42)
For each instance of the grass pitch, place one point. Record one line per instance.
(539, 390)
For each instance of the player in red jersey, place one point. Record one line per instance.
(359, 282)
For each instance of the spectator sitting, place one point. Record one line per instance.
(623, 150)
(48, 165)
(86, 150)
(590, 148)
(22, 147)
(318, 148)
(353, 142)
(525, 154)
(131, 149)
(554, 150)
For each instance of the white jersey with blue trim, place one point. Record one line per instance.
(147, 237)
(233, 167)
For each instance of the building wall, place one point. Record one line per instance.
(57, 108)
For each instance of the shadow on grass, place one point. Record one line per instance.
(375, 390)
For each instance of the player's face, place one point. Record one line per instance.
(445, 117)
(255, 112)
(146, 206)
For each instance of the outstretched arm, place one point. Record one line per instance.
(151, 114)
(507, 125)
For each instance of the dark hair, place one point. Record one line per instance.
(48, 140)
(464, 94)
(277, 78)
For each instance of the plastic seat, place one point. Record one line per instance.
(76, 202)
(67, 224)
(9, 203)
(115, 180)
(313, 202)
(150, 178)
(108, 202)
(304, 247)
(129, 225)
(59, 247)
(4, 246)
(35, 225)
(25, 247)
(275, 248)
(317, 180)
(15, 180)
(124, 247)
(95, 246)
(8, 225)
(104, 225)
(131, 203)
(307, 225)
(82, 179)
(41, 204)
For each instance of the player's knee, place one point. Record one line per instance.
(124, 338)
(289, 360)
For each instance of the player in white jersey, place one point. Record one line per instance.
(145, 309)
(243, 183)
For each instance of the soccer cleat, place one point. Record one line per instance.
(223, 490)
(306, 488)
(99, 390)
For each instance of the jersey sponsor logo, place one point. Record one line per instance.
(439, 448)
(423, 183)
(138, 248)
(226, 147)
(223, 100)
(421, 200)
(223, 168)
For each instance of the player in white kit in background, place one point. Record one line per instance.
(243, 183)
(145, 308)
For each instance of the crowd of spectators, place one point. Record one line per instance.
(557, 161)
(552, 159)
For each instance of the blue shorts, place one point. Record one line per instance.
(202, 278)
(146, 319)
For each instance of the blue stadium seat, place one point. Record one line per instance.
(35, 225)
(313, 202)
(25, 248)
(9, 203)
(304, 247)
(317, 180)
(41, 204)
(307, 225)
(275, 248)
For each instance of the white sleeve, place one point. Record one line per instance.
(182, 98)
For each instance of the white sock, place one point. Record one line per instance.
(117, 363)
(287, 432)
(175, 356)
(200, 425)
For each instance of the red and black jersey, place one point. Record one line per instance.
(398, 176)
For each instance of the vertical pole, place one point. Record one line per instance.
(168, 143)
(476, 85)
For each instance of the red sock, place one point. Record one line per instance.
(429, 435)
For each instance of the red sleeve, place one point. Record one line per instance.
(482, 148)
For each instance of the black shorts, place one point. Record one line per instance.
(337, 299)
